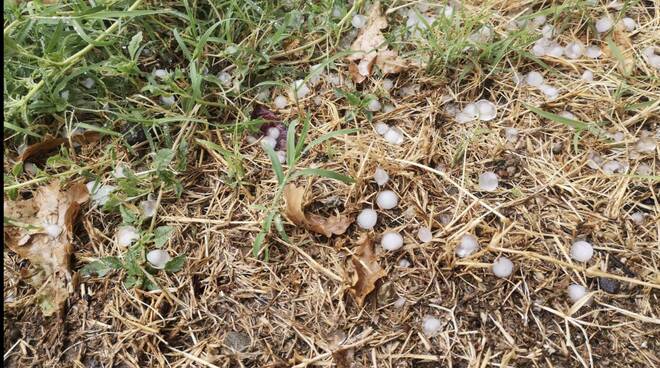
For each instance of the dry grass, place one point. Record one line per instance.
(228, 309)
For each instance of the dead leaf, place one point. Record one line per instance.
(293, 198)
(343, 357)
(367, 270)
(49, 143)
(369, 49)
(41, 231)
(624, 49)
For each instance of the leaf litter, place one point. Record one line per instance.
(328, 226)
(367, 270)
(40, 230)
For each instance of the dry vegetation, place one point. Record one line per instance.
(304, 305)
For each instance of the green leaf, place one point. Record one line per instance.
(98, 129)
(182, 45)
(258, 241)
(277, 166)
(291, 143)
(162, 235)
(327, 136)
(326, 174)
(175, 264)
(134, 45)
(559, 119)
(163, 158)
(279, 226)
(303, 136)
(17, 169)
(133, 281)
(101, 267)
(127, 216)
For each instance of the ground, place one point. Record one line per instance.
(260, 286)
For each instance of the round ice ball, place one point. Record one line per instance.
(604, 24)
(158, 258)
(359, 21)
(574, 50)
(391, 241)
(387, 200)
(488, 181)
(467, 245)
(280, 102)
(424, 234)
(534, 79)
(381, 176)
(394, 136)
(382, 128)
(487, 110)
(431, 326)
(374, 105)
(388, 84)
(502, 267)
(367, 219)
(576, 292)
(582, 251)
(126, 235)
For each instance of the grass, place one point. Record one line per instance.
(246, 287)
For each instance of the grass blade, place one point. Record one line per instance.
(98, 129)
(327, 136)
(277, 166)
(325, 174)
(291, 144)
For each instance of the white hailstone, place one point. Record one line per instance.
(618, 137)
(318, 100)
(359, 21)
(488, 181)
(539, 20)
(225, 79)
(651, 57)
(88, 83)
(645, 144)
(119, 171)
(451, 109)
(161, 73)
(462, 117)
(391, 241)
(576, 292)
(472, 110)
(615, 4)
(381, 176)
(593, 52)
(610, 167)
(65, 95)
(549, 91)
(251, 139)
(388, 108)
(268, 141)
(588, 76)
(367, 219)
(424, 234)
(374, 105)
(534, 79)
(281, 156)
(126, 235)
(582, 251)
(273, 133)
(363, 67)
(638, 217)
(388, 84)
(102, 193)
(387, 200)
(502, 267)
(315, 74)
(540, 47)
(158, 258)
(644, 170)
(555, 50)
(448, 11)
(486, 110)
(629, 24)
(300, 89)
(511, 134)
(594, 160)
(231, 49)
(399, 303)
(431, 326)
(567, 115)
(468, 245)
(280, 102)
(574, 50)
(404, 263)
(394, 136)
(336, 12)
(382, 128)
(30, 168)
(548, 31)
(148, 207)
(518, 78)
(604, 24)
(53, 230)
(334, 79)
(167, 100)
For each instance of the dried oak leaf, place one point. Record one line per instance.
(49, 143)
(293, 198)
(40, 230)
(367, 270)
(369, 49)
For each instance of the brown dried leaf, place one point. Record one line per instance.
(367, 270)
(49, 143)
(49, 253)
(369, 49)
(293, 198)
(343, 357)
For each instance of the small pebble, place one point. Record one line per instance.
(502, 267)
(158, 258)
(582, 251)
(391, 241)
(387, 200)
(467, 245)
(424, 234)
(488, 181)
(610, 286)
(367, 219)
(381, 176)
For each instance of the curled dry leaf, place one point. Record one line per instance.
(367, 270)
(293, 197)
(40, 230)
(369, 49)
(49, 143)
